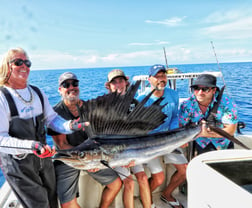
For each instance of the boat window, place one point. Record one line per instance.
(237, 171)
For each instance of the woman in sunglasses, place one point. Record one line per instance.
(205, 98)
(24, 155)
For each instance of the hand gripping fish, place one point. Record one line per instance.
(117, 136)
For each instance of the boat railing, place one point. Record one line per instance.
(172, 78)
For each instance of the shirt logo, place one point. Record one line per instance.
(27, 109)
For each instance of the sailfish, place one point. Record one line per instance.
(118, 136)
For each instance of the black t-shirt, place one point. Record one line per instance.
(75, 138)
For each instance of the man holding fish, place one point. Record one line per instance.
(24, 155)
(207, 102)
(68, 177)
(158, 81)
(118, 82)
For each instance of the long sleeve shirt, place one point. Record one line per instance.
(26, 110)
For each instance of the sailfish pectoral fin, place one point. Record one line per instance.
(228, 136)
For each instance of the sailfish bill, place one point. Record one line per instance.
(228, 136)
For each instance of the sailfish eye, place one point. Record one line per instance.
(81, 154)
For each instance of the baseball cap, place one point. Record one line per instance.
(207, 80)
(66, 76)
(116, 73)
(156, 68)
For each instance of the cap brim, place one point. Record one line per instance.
(125, 77)
(203, 84)
(155, 73)
(66, 80)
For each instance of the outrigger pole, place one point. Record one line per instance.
(165, 58)
(166, 64)
(218, 65)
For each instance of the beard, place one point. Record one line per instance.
(71, 96)
(160, 86)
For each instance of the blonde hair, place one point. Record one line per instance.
(4, 67)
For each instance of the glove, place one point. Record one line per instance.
(75, 125)
(38, 148)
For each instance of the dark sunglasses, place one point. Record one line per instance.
(74, 83)
(204, 89)
(20, 62)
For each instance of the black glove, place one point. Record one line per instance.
(75, 125)
(37, 147)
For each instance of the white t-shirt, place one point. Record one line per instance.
(26, 110)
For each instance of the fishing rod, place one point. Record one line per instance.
(219, 65)
(165, 58)
(166, 62)
(21, 148)
(27, 148)
(104, 162)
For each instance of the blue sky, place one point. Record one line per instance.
(110, 33)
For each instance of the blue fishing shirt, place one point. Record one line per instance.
(226, 114)
(171, 99)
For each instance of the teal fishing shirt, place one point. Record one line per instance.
(226, 114)
(171, 99)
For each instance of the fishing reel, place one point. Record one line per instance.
(240, 125)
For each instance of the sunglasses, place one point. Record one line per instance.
(20, 62)
(204, 89)
(74, 83)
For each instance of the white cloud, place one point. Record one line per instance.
(176, 54)
(110, 57)
(232, 24)
(157, 42)
(237, 29)
(174, 21)
(218, 17)
(59, 60)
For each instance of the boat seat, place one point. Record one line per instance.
(91, 190)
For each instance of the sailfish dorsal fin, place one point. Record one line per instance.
(109, 114)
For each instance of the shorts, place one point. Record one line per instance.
(104, 176)
(67, 179)
(122, 172)
(177, 157)
(155, 166)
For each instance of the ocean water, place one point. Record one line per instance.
(237, 78)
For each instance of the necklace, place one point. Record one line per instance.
(203, 105)
(22, 99)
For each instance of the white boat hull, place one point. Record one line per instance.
(208, 187)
